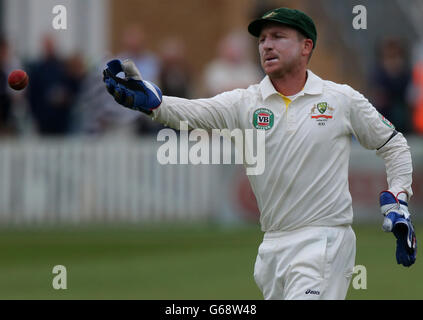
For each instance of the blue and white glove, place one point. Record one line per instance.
(131, 92)
(397, 220)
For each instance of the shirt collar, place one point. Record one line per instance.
(313, 85)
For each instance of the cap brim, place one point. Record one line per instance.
(255, 27)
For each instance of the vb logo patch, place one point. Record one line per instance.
(386, 121)
(321, 112)
(263, 119)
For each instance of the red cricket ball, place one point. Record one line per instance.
(18, 79)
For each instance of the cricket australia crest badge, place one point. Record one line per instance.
(322, 113)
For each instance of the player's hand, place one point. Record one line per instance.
(397, 220)
(131, 92)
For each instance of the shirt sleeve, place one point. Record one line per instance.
(219, 112)
(375, 132)
(370, 128)
(397, 157)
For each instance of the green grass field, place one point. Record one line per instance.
(191, 262)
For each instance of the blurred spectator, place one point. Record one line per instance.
(174, 77)
(76, 73)
(133, 46)
(9, 99)
(232, 68)
(417, 95)
(391, 80)
(100, 113)
(5, 98)
(51, 92)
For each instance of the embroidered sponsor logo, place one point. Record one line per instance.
(263, 119)
(386, 121)
(321, 112)
(316, 292)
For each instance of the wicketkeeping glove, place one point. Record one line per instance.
(131, 92)
(397, 220)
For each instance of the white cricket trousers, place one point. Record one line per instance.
(310, 263)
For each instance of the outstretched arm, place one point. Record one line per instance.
(213, 113)
(132, 92)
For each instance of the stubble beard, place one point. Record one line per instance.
(287, 68)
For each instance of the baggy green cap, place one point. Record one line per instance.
(291, 17)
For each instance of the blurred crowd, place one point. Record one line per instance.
(396, 86)
(65, 96)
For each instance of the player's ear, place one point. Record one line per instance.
(307, 47)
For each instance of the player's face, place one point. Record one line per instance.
(281, 49)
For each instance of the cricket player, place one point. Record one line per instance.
(308, 249)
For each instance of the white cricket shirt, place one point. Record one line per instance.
(305, 181)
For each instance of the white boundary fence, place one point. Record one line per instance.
(119, 179)
(51, 181)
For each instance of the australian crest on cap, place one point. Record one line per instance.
(269, 15)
